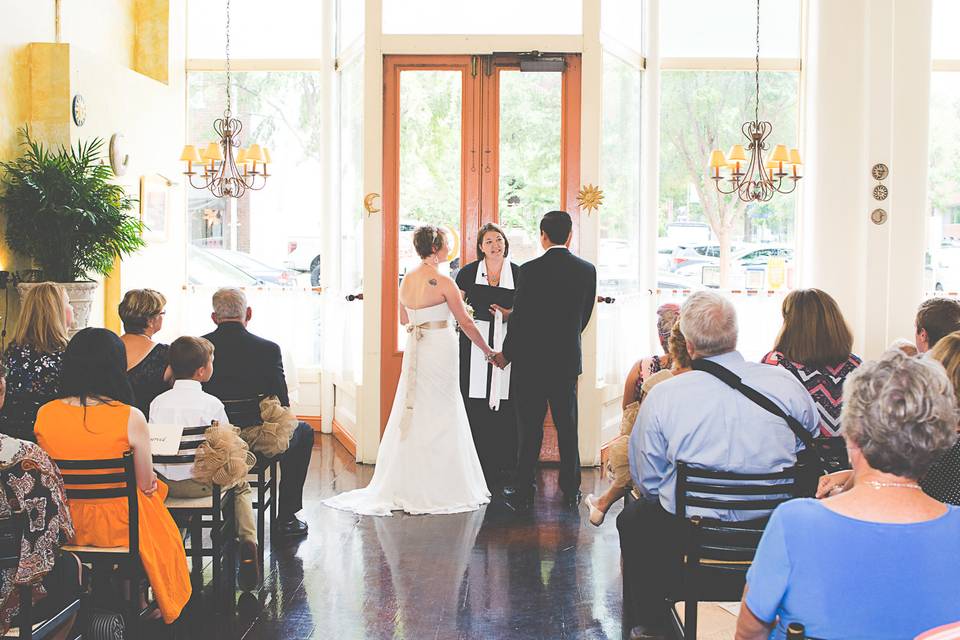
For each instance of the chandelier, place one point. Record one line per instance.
(224, 171)
(752, 179)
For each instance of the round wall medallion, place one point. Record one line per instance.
(880, 192)
(79, 110)
(878, 216)
(879, 171)
(119, 158)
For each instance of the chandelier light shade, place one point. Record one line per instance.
(743, 170)
(226, 169)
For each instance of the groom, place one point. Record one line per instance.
(552, 306)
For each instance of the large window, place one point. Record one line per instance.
(942, 257)
(706, 239)
(258, 30)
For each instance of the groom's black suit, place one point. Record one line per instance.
(552, 306)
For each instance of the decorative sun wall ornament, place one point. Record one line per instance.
(590, 198)
(368, 203)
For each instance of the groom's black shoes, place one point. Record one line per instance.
(516, 499)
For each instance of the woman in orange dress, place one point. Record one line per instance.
(93, 420)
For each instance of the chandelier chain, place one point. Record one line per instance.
(227, 111)
(756, 75)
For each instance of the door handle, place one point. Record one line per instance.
(606, 299)
(354, 296)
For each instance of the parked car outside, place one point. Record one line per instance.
(260, 271)
(204, 268)
(689, 254)
(303, 254)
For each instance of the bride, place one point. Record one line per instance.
(427, 462)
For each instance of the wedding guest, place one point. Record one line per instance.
(618, 464)
(141, 312)
(814, 345)
(488, 285)
(94, 420)
(942, 482)
(667, 316)
(936, 317)
(696, 418)
(893, 576)
(248, 366)
(34, 358)
(906, 346)
(187, 405)
(56, 576)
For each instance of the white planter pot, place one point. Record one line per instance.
(81, 296)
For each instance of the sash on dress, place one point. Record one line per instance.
(416, 331)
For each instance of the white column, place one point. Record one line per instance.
(866, 101)
(368, 393)
(330, 188)
(591, 111)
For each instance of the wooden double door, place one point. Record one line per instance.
(470, 140)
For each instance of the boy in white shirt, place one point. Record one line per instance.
(187, 405)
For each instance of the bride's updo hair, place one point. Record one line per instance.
(427, 240)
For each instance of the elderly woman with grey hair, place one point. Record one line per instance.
(879, 559)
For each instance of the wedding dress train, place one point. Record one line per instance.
(427, 462)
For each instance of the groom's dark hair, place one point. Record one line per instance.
(557, 225)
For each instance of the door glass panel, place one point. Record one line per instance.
(430, 154)
(529, 181)
(622, 333)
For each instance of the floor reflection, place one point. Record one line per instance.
(485, 574)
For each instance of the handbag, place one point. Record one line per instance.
(818, 456)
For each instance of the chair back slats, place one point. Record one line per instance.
(243, 412)
(188, 445)
(735, 505)
(104, 472)
(732, 489)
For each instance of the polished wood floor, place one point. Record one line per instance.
(490, 574)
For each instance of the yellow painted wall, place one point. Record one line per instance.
(98, 60)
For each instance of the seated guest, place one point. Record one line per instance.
(617, 463)
(186, 405)
(697, 419)
(936, 317)
(141, 312)
(667, 315)
(814, 345)
(33, 359)
(893, 571)
(902, 344)
(56, 577)
(248, 366)
(942, 482)
(94, 420)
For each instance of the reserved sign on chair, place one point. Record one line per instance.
(165, 439)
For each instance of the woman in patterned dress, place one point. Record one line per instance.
(815, 345)
(33, 359)
(29, 481)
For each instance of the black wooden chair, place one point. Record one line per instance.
(717, 553)
(112, 478)
(11, 534)
(245, 412)
(213, 513)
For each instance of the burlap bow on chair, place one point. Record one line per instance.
(272, 437)
(223, 458)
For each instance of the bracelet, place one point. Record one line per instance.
(490, 357)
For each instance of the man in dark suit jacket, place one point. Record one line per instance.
(247, 366)
(552, 306)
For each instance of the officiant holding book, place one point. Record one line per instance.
(488, 286)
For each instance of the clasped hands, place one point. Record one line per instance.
(497, 359)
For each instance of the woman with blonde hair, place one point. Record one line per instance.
(34, 357)
(141, 312)
(618, 465)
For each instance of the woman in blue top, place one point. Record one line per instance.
(880, 559)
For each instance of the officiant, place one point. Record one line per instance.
(488, 286)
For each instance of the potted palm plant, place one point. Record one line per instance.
(64, 213)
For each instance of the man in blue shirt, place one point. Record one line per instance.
(698, 419)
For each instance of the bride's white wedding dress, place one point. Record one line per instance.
(427, 462)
